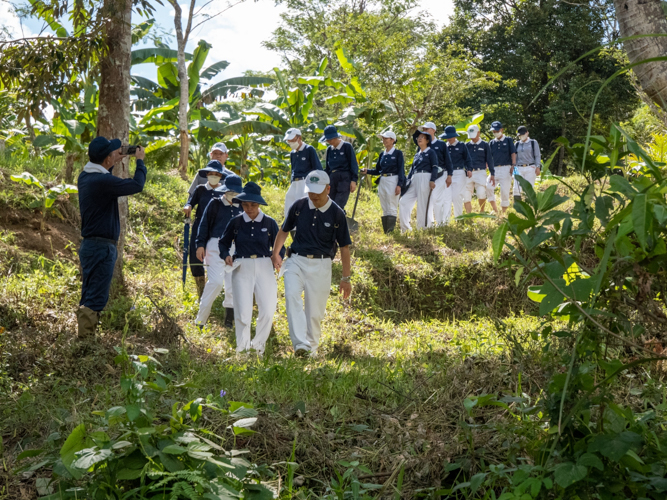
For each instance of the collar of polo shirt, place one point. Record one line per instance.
(454, 143)
(425, 150)
(323, 208)
(391, 151)
(340, 144)
(302, 147)
(216, 188)
(479, 139)
(500, 138)
(259, 218)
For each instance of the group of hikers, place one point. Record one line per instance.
(236, 247)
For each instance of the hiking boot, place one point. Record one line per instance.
(229, 317)
(201, 283)
(384, 224)
(87, 320)
(391, 224)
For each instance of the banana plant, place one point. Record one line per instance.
(46, 197)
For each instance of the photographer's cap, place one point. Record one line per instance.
(317, 181)
(101, 147)
(472, 131)
(219, 146)
(428, 125)
(291, 134)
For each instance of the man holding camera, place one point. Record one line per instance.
(99, 191)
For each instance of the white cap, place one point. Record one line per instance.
(219, 146)
(428, 125)
(472, 131)
(291, 134)
(387, 135)
(316, 181)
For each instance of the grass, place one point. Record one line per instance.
(431, 321)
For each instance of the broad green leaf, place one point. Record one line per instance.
(156, 55)
(590, 460)
(27, 178)
(535, 293)
(174, 449)
(476, 481)
(76, 441)
(133, 412)
(213, 70)
(90, 457)
(498, 241)
(641, 218)
(128, 474)
(528, 190)
(568, 473)
(29, 454)
(620, 184)
(614, 446)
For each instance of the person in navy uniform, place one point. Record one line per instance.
(341, 166)
(99, 191)
(218, 152)
(390, 167)
(246, 246)
(482, 159)
(213, 173)
(303, 160)
(461, 165)
(419, 184)
(321, 227)
(504, 161)
(442, 193)
(214, 220)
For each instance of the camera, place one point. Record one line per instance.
(128, 150)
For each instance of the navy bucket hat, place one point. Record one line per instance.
(252, 193)
(212, 166)
(417, 133)
(233, 183)
(330, 132)
(450, 132)
(101, 147)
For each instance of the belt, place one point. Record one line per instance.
(389, 175)
(253, 257)
(104, 240)
(526, 165)
(315, 256)
(499, 166)
(479, 168)
(422, 172)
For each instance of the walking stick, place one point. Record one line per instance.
(353, 224)
(428, 203)
(186, 248)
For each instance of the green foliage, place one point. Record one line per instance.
(46, 197)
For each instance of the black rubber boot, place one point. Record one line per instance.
(384, 223)
(391, 224)
(229, 317)
(517, 197)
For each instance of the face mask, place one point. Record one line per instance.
(497, 134)
(523, 137)
(213, 180)
(293, 144)
(230, 195)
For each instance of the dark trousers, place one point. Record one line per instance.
(196, 265)
(340, 187)
(98, 259)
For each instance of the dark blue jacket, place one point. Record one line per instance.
(98, 200)
(342, 159)
(200, 199)
(425, 161)
(481, 156)
(317, 232)
(215, 219)
(444, 160)
(502, 151)
(251, 238)
(460, 156)
(390, 164)
(304, 162)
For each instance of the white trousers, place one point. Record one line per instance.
(527, 173)
(218, 279)
(254, 277)
(296, 191)
(504, 179)
(475, 183)
(388, 197)
(312, 278)
(441, 201)
(418, 193)
(458, 187)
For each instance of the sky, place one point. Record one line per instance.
(236, 35)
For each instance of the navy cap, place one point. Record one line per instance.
(330, 132)
(522, 130)
(101, 147)
(496, 126)
(213, 166)
(233, 183)
(450, 132)
(251, 193)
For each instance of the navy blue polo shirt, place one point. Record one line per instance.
(460, 156)
(98, 200)
(390, 163)
(426, 162)
(304, 161)
(252, 237)
(502, 151)
(444, 161)
(317, 232)
(200, 198)
(216, 217)
(343, 159)
(481, 156)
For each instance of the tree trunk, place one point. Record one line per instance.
(70, 158)
(643, 17)
(184, 96)
(113, 116)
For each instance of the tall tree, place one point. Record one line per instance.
(646, 17)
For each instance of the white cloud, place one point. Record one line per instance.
(10, 21)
